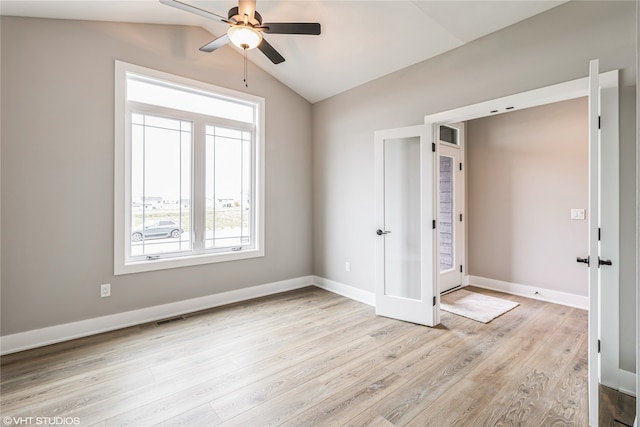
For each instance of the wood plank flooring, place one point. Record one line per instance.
(616, 409)
(312, 358)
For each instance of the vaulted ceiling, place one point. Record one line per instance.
(361, 40)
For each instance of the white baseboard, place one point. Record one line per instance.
(542, 294)
(627, 382)
(54, 334)
(346, 290)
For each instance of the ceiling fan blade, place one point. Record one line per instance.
(195, 10)
(247, 7)
(310, 28)
(217, 43)
(270, 52)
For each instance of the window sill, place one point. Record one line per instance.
(186, 261)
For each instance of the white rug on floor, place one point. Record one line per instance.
(475, 306)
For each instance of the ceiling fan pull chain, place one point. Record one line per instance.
(246, 82)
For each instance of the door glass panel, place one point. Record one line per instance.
(446, 213)
(402, 217)
(449, 134)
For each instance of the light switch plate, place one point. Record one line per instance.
(577, 213)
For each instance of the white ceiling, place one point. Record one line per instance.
(361, 40)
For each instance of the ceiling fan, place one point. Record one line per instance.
(246, 28)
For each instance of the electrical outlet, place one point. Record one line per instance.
(105, 290)
(347, 266)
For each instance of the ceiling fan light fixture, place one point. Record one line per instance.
(244, 37)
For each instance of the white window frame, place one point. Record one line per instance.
(123, 264)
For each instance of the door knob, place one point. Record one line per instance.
(379, 232)
(584, 260)
(604, 262)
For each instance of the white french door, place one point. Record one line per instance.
(609, 230)
(405, 201)
(602, 259)
(592, 259)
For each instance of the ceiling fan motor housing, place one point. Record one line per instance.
(234, 15)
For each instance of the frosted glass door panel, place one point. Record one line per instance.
(402, 217)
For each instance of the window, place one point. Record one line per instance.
(189, 165)
(449, 134)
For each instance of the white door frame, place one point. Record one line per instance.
(547, 95)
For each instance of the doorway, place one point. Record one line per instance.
(603, 330)
(602, 90)
(451, 196)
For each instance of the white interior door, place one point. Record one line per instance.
(405, 255)
(609, 230)
(594, 222)
(604, 206)
(450, 192)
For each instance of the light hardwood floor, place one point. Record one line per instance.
(616, 409)
(312, 358)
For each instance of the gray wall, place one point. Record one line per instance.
(550, 48)
(57, 170)
(526, 170)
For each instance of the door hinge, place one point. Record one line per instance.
(598, 346)
(460, 217)
(460, 165)
(434, 300)
(599, 120)
(598, 233)
(460, 268)
(434, 224)
(433, 147)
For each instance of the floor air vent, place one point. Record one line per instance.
(170, 320)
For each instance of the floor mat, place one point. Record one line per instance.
(475, 306)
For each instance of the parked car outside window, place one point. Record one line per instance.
(159, 229)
